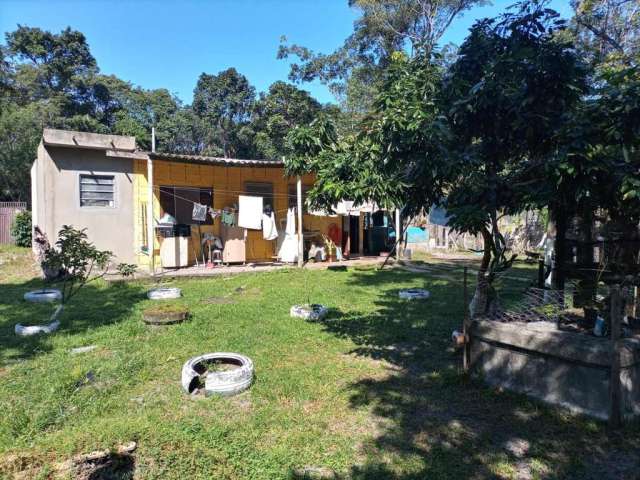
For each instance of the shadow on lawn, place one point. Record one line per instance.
(93, 307)
(437, 423)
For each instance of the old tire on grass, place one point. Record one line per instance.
(414, 294)
(314, 311)
(164, 293)
(43, 296)
(224, 383)
(158, 317)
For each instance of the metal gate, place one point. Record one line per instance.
(8, 211)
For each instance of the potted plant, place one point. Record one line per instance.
(330, 248)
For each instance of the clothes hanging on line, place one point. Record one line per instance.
(269, 229)
(288, 240)
(214, 213)
(291, 222)
(199, 212)
(250, 212)
(228, 217)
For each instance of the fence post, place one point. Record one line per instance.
(541, 273)
(466, 353)
(615, 417)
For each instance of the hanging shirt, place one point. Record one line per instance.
(228, 218)
(250, 212)
(269, 229)
(199, 212)
(291, 222)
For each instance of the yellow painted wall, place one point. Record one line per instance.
(227, 184)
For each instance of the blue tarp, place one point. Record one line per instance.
(417, 235)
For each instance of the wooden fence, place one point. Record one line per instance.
(8, 211)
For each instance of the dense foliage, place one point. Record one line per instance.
(52, 80)
(521, 118)
(21, 229)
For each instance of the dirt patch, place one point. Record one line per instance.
(100, 465)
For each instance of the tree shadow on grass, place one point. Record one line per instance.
(435, 422)
(96, 305)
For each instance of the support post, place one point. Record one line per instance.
(615, 416)
(398, 234)
(150, 232)
(300, 239)
(466, 353)
(541, 273)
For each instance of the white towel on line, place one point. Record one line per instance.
(250, 212)
(269, 229)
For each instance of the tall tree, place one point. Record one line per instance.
(276, 112)
(354, 71)
(224, 102)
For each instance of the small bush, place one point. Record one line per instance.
(21, 229)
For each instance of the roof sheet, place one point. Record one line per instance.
(179, 157)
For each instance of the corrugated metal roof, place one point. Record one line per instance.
(179, 157)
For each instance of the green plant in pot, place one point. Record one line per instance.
(330, 248)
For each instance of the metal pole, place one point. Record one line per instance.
(466, 352)
(615, 397)
(300, 239)
(398, 234)
(150, 233)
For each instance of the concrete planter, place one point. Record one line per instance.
(562, 368)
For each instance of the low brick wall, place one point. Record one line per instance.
(561, 368)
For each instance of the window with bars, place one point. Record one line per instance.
(97, 191)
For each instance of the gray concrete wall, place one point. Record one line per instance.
(57, 173)
(560, 368)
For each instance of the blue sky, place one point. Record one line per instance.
(162, 44)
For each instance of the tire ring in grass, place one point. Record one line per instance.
(309, 312)
(164, 293)
(224, 383)
(414, 294)
(158, 317)
(43, 296)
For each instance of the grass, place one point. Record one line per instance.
(372, 392)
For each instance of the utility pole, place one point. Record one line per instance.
(150, 232)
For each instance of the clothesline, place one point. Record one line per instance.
(193, 203)
(220, 190)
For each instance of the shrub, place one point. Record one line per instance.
(21, 229)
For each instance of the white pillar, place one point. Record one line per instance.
(300, 239)
(150, 232)
(398, 233)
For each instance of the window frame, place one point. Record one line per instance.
(114, 190)
(209, 191)
(258, 193)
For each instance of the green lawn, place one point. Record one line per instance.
(374, 391)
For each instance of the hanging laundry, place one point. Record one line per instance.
(228, 217)
(250, 212)
(288, 240)
(214, 213)
(291, 222)
(199, 212)
(269, 229)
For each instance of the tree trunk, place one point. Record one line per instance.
(480, 303)
(560, 248)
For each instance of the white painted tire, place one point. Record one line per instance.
(414, 294)
(43, 296)
(164, 293)
(309, 312)
(224, 383)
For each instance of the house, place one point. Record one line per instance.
(100, 182)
